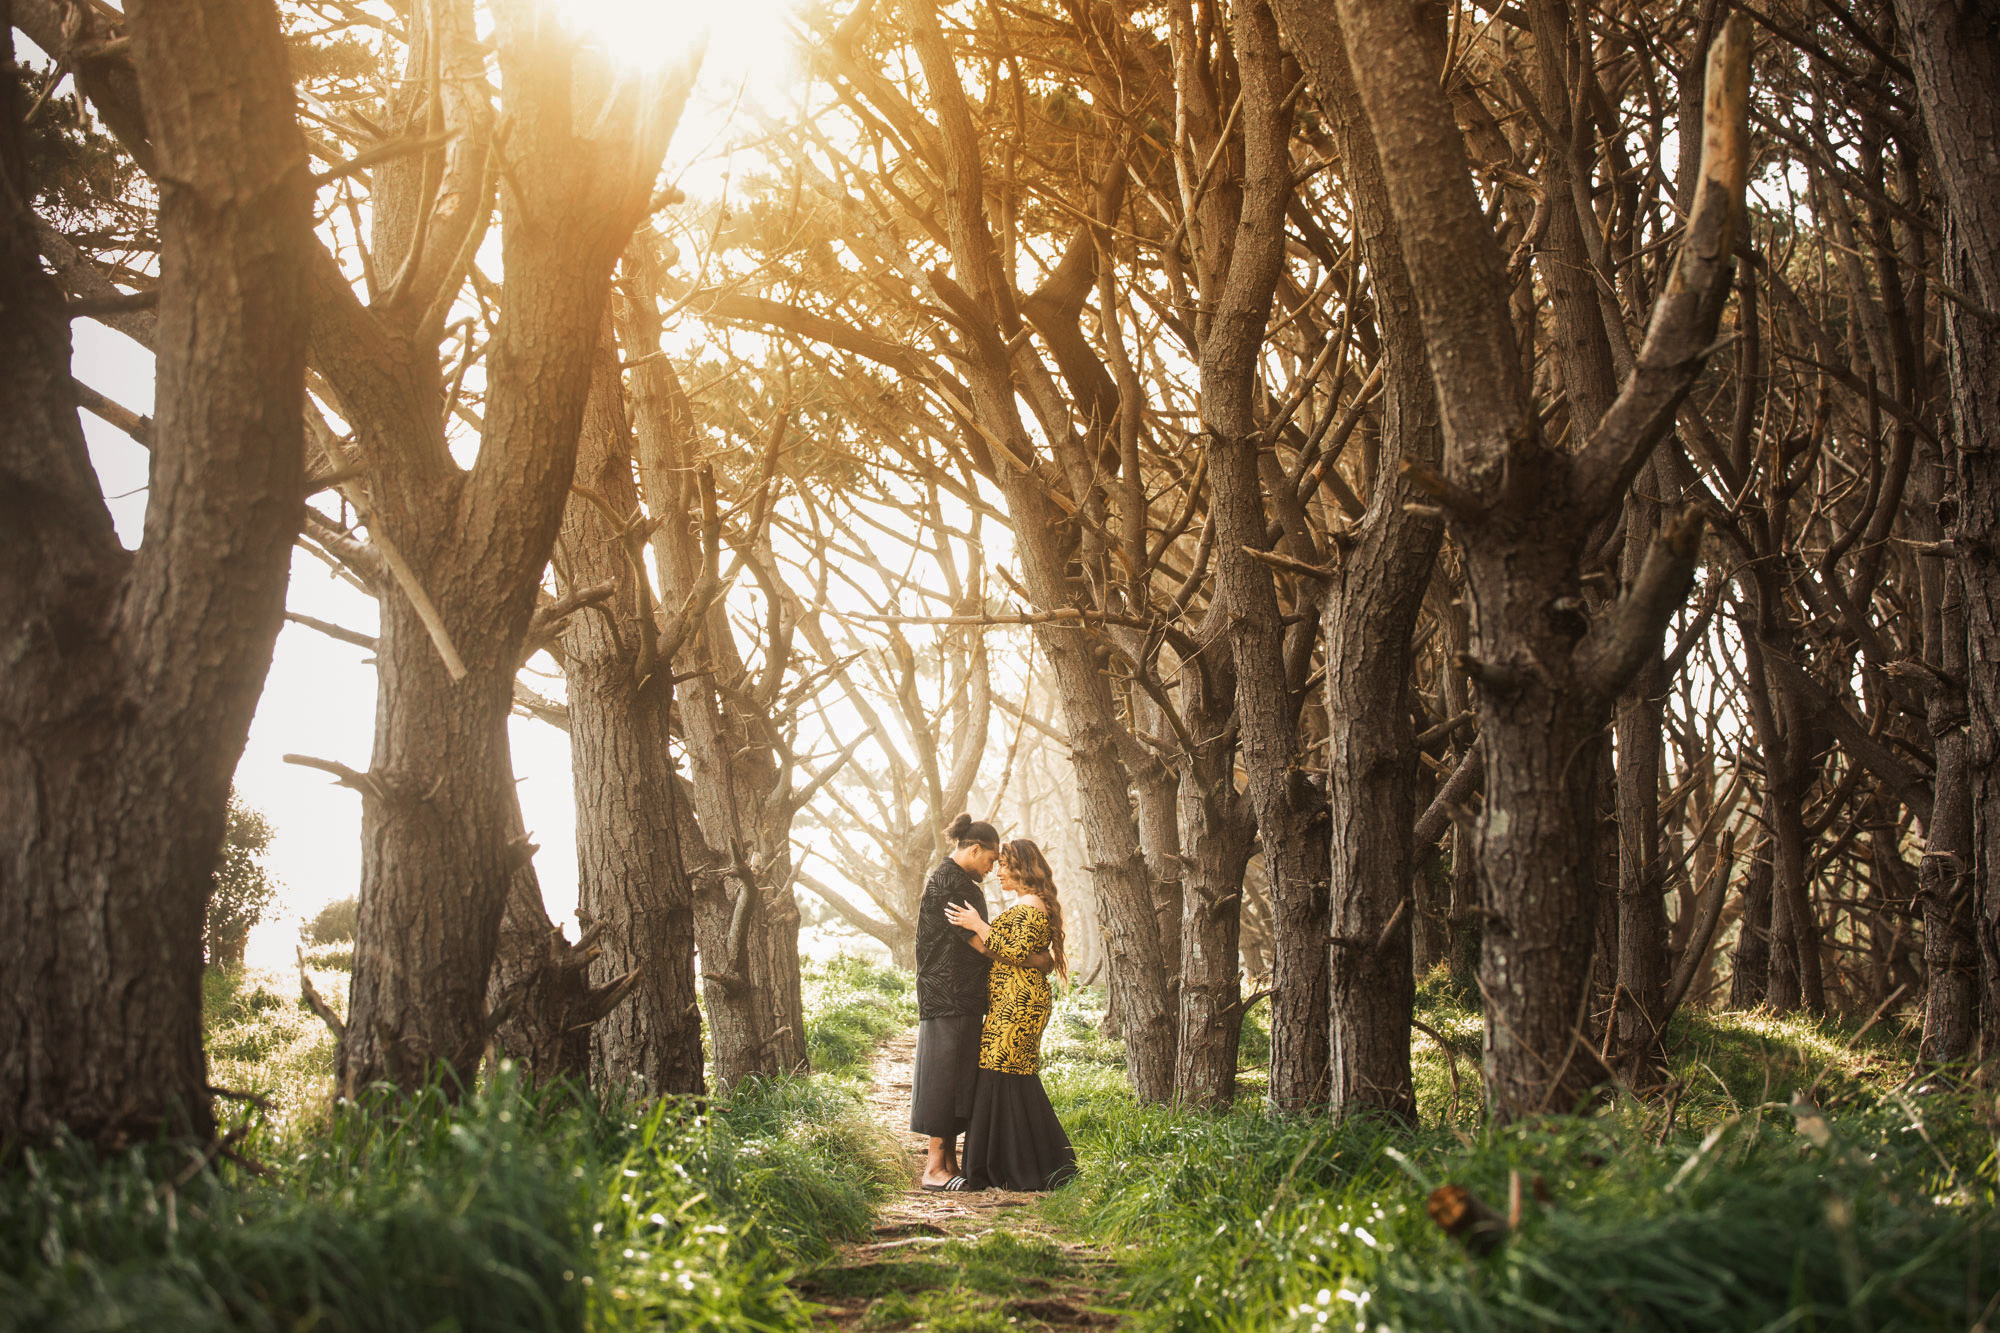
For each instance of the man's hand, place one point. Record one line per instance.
(1042, 961)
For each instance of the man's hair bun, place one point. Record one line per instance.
(966, 831)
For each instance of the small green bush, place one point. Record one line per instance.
(242, 888)
(335, 923)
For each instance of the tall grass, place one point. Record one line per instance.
(516, 1209)
(1728, 1211)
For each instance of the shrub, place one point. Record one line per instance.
(335, 923)
(243, 888)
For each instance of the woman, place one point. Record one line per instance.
(1014, 1141)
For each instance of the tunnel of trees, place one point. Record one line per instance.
(1373, 486)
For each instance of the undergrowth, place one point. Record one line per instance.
(516, 1209)
(1724, 1205)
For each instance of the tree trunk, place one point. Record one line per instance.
(1959, 877)
(1370, 612)
(1750, 966)
(131, 677)
(539, 995)
(734, 838)
(1126, 902)
(1643, 963)
(1291, 811)
(632, 885)
(1522, 511)
(1218, 835)
(1954, 52)
(468, 547)
(1783, 734)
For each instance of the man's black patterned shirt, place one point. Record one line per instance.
(951, 974)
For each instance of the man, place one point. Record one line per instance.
(951, 1000)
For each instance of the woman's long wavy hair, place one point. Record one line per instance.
(1031, 870)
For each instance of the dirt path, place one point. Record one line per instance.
(989, 1257)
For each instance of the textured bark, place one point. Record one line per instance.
(131, 677)
(1783, 734)
(734, 822)
(1291, 811)
(468, 547)
(1218, 836)
(1974, 348)
(539, 995)
(632, 884)
(1954, 52)
(1945, 876)
(1643, 962)
(1370, 611)
(1522, 513)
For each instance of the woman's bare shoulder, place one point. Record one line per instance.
(1032, 903)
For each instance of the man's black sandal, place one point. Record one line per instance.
(956, 1185)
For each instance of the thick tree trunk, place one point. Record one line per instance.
(1954, 52)
(1968, 755)
(436, 858)
(468, 547)
(632, 885)
(1370, 611)
(131, 677)
(1522, 512)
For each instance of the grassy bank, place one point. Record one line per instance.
(1864, 1207)
(517, 1209)
(1794, 1181)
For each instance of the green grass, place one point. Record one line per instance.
(851, 1005)
(263, 1040)
(518, 1209)
(1713, 1212)
(1718, 1207)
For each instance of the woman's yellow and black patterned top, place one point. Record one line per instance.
(1017, 997)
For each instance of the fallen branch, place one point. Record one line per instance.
(315, 1002)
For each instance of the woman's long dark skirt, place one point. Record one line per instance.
(1015, 1141)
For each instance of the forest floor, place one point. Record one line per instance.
(957, 1262)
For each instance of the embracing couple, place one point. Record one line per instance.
(982, 1002)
